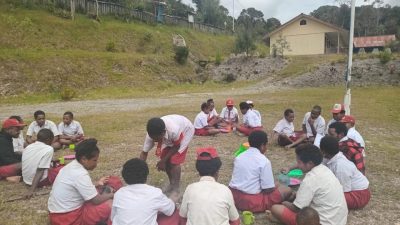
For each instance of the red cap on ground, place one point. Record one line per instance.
(337, 108)
(12, 123)
(229, 102)
(114, 182)
(210, 150)
(348, 119)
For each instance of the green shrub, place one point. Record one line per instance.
(110, 47)
(385, 56)
(181, 54)
(218, 58)
(263, 55)
(148, 37)
(67, 94)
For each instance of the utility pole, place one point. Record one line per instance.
(347, 97)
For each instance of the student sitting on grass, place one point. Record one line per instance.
(350, 148)
(36, 162)
(251, 104)
(307, 216)
(74, 198)
(252, 184)
(40, 123)
(355, 184)
(284, 132)
(201, 125)
(320, 190)
(229, 115)
(173, 134)
(139, 203)
(10, 161)
(251, 121)
(338, 113)
(352, 133)
(212, 116)
(19, 142)
(207, 201)
(71, 131)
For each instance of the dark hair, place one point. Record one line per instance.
(317, 107)
(135, 171)
(87, 148)
(37, 113)
(340, 128)
(204, 105)
(208, 167)
(329, 145)
(155, 127)
(307, 216)
(309, 152)
(18, 118)
(287, 112)
(210, 100)
(69, 113)
(244, 105)
(45, 135)
(258, 138)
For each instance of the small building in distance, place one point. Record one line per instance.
(369, 43)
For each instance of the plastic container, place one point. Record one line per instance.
(243, 147)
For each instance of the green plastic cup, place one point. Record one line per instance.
(72, 147)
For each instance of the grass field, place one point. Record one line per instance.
(121, 135)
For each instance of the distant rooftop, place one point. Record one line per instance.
(373, 41)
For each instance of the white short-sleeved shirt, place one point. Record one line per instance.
(347, 173)
(208, 202)
(352, 133)
(252, 172)
(257, 113)
(34, 128)
(18, 143)
(36, 155)
(319, 125)
(74, 128)
(140, 204)
(179, 131)
(213, 113)
(284, 127)
(201, 120)
(229, 115)
(251, 119)
(71, 189)
(322, 191)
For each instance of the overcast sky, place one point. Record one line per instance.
(284, 10)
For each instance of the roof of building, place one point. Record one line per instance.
(302, 15)
(373, 41)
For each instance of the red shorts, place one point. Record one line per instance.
(357, 199)
(177, 158)
(88, 214)
(257, 202)
(247, 130)
(168, 220)
(201, 132)
(51, 176)
(288, 217)
(10, 170)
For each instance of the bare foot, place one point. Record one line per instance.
(270, 217)
(14, 179)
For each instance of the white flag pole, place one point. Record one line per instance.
(347, 97)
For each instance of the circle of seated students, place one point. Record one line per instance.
(332, 157)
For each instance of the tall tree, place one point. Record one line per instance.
(272, 23)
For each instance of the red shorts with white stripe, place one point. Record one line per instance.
(257, 202)
(10, 170)
(357, 199)
(247, 130)
(288, 217)
(51, 176)
(201, 132)
(88, 214)
(177, 158)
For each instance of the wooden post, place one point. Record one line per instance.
(72, 9)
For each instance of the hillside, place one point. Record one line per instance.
(43, 53)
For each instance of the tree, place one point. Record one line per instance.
(279, 47)
(272, 23)
(252, 20)
(211, 12)
(244, 42)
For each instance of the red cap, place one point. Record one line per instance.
(210, 150)
(229, 102)
(337, 108)
(114, 182)
(348, 119)
(12, 123)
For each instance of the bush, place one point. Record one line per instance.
(67, 94)
(218, 58)
(148, 37)
(181, 54)
(262, 55)
(385, 56)
(110, 47)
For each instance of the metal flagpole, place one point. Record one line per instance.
(347, 96)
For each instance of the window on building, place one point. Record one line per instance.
(303, 22)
